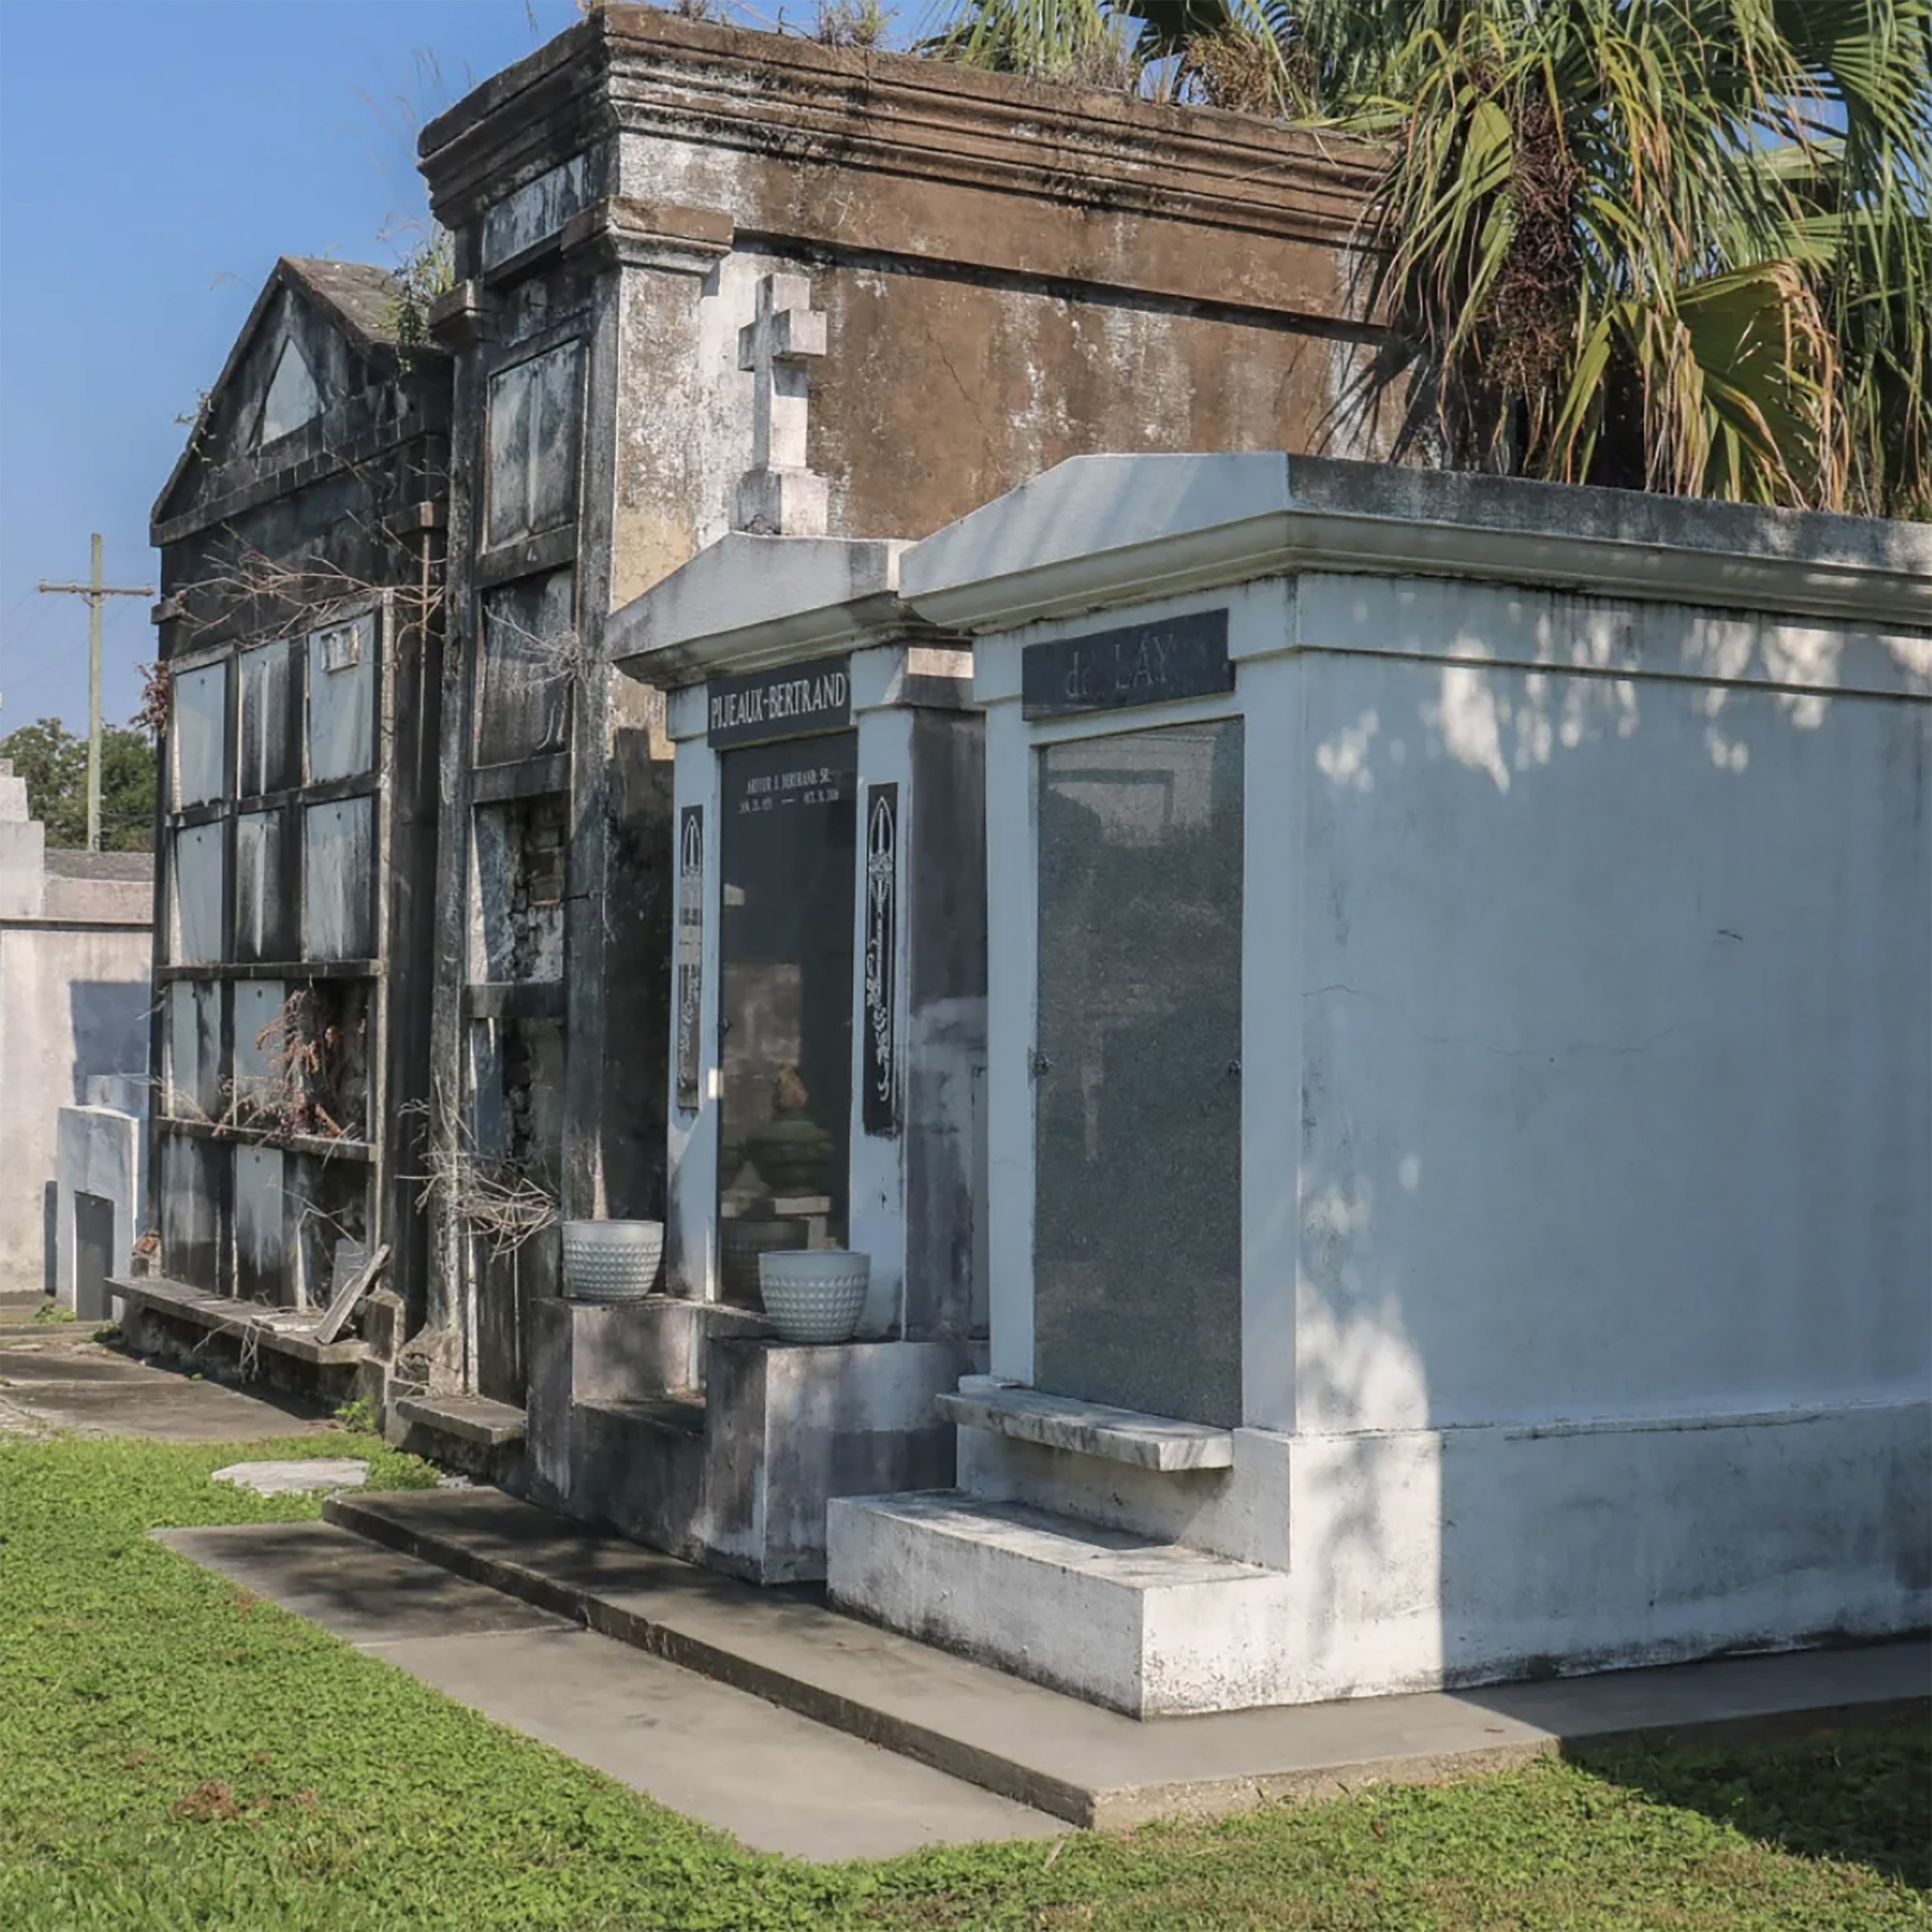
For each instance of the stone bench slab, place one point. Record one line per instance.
(289, 1331)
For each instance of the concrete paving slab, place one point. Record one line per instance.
(24, 1367)
(301, 1478)
(1089, 1765)
(774, 1780)
(169, 1409)
(368, 1595)
(71, 1382)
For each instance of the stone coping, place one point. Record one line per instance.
(1064, 1422)
(1091, 1766)
(282, 1331)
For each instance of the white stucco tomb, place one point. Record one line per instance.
(100, 1183)
(1459, 1048)
(76, 950)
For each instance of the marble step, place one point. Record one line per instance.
(1144, 1627)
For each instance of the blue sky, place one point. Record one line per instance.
(155, 157)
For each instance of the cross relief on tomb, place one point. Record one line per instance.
(779, 496)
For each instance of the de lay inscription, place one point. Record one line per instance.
(1138, 664)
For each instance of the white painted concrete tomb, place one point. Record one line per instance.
(76, 949)
(1459, 1082)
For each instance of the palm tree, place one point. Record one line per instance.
(1678, 245)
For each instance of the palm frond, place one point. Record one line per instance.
(1679, 244)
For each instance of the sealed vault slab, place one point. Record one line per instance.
(1074, 1759)
(774, 1779)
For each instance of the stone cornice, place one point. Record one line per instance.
(650, 234)
(545, 107)
(817, 107)
(749, 603)
(1102, 532)
(933, 120)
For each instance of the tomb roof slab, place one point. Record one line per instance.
(1103, 530)
(746, 602)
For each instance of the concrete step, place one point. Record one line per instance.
(732, 1466)
(644, 1462)
(1089, 1765)
(474, 1418)
(472, 1433)
(778, 1782)
(1149, 1628)
(678, 1411)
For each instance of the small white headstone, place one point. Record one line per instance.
(294, 1479)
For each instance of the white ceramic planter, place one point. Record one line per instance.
(611, 1261)
(814, 1294)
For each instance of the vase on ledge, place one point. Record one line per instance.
(814, 1294)
(611, 1261)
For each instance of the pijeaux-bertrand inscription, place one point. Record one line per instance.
(779, 704)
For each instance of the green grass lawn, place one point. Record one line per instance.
(173, 1753)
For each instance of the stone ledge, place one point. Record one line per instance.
(1061, 1422)
(284, 1330)
(470, 1418)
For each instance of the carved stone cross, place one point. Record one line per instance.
(778, 496)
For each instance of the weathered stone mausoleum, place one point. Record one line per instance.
(1373, 1026)
(1458, 1085)
(300, 641)
(710, 281)
(706, 281)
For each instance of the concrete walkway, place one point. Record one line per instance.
(775, 1780)
(1087, 1765)
(54, 1376)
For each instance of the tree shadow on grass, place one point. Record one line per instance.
(1860, 1793)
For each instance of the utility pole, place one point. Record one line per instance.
(95, 591)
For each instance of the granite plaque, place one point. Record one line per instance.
(786, 702)
(690, 951)
(1139, 664)
(789, 842)
(1136, 1072)
(880, 1058)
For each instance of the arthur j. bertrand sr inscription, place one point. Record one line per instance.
(1139, 664)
